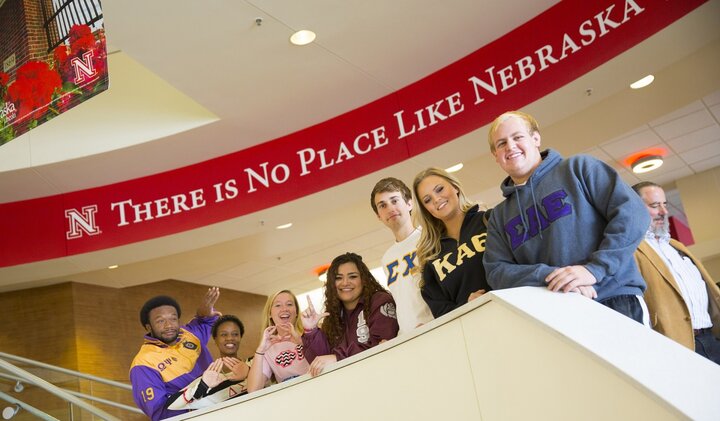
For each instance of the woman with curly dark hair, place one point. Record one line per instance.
(359, 314)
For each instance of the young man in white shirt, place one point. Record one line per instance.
(392, 202)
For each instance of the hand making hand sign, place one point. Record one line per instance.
(310, 317)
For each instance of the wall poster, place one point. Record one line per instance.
(53, 56)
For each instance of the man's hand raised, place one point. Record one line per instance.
(207, 307)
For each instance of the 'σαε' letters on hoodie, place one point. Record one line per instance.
(553, 208)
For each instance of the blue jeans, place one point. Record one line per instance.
(708, 346)
(627, 305)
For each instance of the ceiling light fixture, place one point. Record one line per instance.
(302, 37)
(284, 226)
(454, 168)
(643, 82)
(321, 272)
(113, 267)
(646, 163)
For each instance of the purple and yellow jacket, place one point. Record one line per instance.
(160, 370)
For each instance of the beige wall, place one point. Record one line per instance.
(713, 267)
(96, 330)
(700, 195)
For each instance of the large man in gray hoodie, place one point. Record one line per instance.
(567, 224)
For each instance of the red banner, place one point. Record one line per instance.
(44, 76)
(553, 49)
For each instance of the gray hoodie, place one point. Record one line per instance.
(574, 211)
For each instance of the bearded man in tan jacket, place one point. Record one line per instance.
(683, 300)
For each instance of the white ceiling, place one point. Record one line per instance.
(194, 80)
(689, 138)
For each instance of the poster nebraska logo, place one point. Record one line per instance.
(84, 69)
(81, 222)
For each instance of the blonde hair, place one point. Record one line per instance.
(530, 122)
(428, 246)
(267, 321)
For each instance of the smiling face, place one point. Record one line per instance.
(283, 309)
(164, 324)
(393, 210)
(516, 149)
(228, 339)
(438, 197)
(656, 203)
(348, 285)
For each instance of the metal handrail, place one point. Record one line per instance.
(51, 388)
(31, 409)
(65, 371)
(80, 395)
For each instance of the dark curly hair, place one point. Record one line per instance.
(155, 302)
(332, 325)
(227, 318)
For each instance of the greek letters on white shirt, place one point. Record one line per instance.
(409, 263)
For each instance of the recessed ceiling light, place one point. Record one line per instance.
(643, 82)
(455, 168)
(113, 267)
(646, 164)
(302, 37)
(284, 226)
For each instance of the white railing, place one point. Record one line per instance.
(79, 399)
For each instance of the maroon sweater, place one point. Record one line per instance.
(360, 334)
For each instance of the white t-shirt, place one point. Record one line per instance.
(398, 261)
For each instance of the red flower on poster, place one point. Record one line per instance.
(81, 38)
(85, 51)
(33, 89)
(4, 81)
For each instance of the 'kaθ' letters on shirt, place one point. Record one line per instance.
(445, 265)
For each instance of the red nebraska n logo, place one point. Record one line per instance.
(81, 222)
(84, 68)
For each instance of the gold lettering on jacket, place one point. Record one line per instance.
(444, 266)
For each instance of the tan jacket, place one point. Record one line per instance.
(669, 314)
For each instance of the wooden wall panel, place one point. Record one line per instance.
(38, 324)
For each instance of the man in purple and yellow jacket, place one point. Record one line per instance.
(172, 356)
